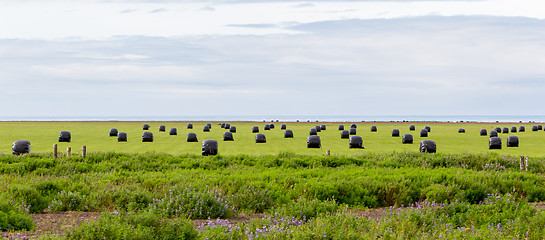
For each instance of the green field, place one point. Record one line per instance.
(94, 135)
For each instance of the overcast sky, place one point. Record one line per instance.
(236, 57)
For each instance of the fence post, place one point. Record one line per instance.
(526, 164)
(55, 150)
(327, 153)
(521, 163)
(69, 152)
(83, 151)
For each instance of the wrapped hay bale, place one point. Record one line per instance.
(206, 128)
(209, 147)
(484, 132)
(512, 141)
(228, 136)
(288, 133)
(260, 138)
(113, 132)
(147, 137)
(407, 139)
(373, 128)
(271, 126)
(189, 126)
(173, 131)
(352, 131)
(355, 142)
(494, 143)
(227, 126)
(255, 129)
(314, 141)
(222, 125)
(395, 133)
(209, 125)
(513, 129)
(145, 127)
(192, 137)
(122, 137)
(313, 131)
(539, 127)
(345, 134)
(428, 128)
(233, 129)
(522, 129)
(267, 127)
(428, 146)
(493, 134)
(424, 133)
(283, 127)
(353, 125)
(412, 128)
(64, 136)
(534, 128)
(498, 129)
(318, 128)
(461, 130)
(20, 147)
(162, 128)
(323, 127)
(341, 127)
(505, 130)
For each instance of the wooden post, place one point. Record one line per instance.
(69, 152)
(83, 151)
(55, 150)
(327, 153)
(526, 164)
(521, 163)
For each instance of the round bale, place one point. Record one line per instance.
(345, 134)
(113, 132)
(341, 127)
(355, 142)
(192, 137)
(313, 131)
(493, 134)
(407, 139)
(65, 136)
(494, 143)
(412, 128)
(233, 129)
(424, 133)
(512, 141)
(173, 131)
(484, 132)
(162, 128)
(145, 127)
(122, 137)
(395, 132)
(147, 137)
(260, 138)
(288, 133)
(314, 141)
(373, 128)
(352, 131)
(255, 129)
(428, 146)
(228, 136)
(20, 147)
(209, 147)
(189, 126)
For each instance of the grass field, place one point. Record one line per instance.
(94, 135)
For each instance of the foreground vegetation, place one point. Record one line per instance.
(154, 196)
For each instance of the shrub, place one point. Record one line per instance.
(30, 197)
(306, 209)
(13, 218)
(251, 199)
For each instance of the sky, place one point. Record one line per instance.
(266, 58)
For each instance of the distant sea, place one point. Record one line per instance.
(294, 118)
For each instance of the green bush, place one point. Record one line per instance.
(71, 201)
(306, 209)
(30, 197)
(13, 218)
(251, 199)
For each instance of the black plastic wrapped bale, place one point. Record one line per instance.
(512, 141)
(260, 138)
(228, 136)
(64, 136)
(20, 147)
(522, 129)
(412, 128)
(222, 125)
(271, 126)
(145, 127)
(227, 126)
(428, 128)
(407, 139)
(539, 127)
(147, 137)
(484, 132)
(505, 130)
(498, 129)
(355, 142)
(113, 132)
(341, 127)
(494, 143)
(288, 133)
(461, 130)
(373, 128)
(318, 128)
(493, 134)
(255, 129)
(534, 128)
(323, 127)
(209, 147)
(189, 126)
(345, 134)
(162, 128)
(206, 128)
(283, 127)
(353, 125)
(122, 137)
(428, 146)
(267, 127)
(314, 141)
(313, 131)
(395, 133)
(424, 133)
(192, 137)
(513, 129)
(352, 131)
(233, 129)
(209, 125)
(173, 131)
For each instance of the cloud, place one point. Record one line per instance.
(124, 11)
(262, 25)
(207, 8)
(158, 10)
